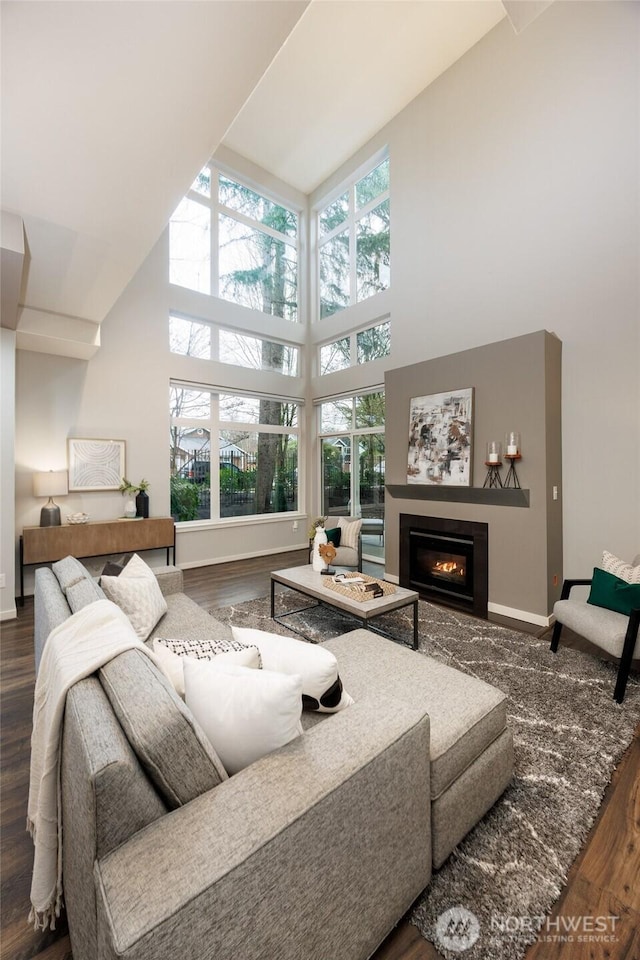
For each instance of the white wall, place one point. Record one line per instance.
(7, 481)
(515, 207)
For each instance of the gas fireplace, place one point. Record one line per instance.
(446, 561)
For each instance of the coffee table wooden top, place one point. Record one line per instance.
(310, 583)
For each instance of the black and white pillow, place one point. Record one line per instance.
(170, 653)
(322, 688)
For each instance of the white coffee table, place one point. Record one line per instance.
(307, 581)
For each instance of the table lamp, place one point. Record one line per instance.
(54, 483)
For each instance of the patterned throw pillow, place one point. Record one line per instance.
(137, 592)
(350, 532)
(624, 571)
(171, 653)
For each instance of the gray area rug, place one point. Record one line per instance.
(569, 735)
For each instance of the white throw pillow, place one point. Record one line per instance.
(350, 532)
(171, 655)
(245, 713)
(321, 684)
(137, 592)
(624, 571)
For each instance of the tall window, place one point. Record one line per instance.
(229, 241)
(231, 455)
(352, 453)
(354, 242)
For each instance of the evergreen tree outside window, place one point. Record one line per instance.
(361, 346)
(354, 253)
(229, 241)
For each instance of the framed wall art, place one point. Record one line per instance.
(96, 464)
(441, 439)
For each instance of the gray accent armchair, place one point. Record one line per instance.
(613, 632)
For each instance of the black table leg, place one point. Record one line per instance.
(273, 599)
(415, 625)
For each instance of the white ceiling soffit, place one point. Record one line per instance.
(108, 111)
(348, 67)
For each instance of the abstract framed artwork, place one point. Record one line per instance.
(96, 464)
(441, 439)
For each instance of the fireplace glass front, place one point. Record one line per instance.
(443, 564)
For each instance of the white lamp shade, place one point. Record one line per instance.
(54, 483)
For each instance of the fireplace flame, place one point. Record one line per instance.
(449, 567)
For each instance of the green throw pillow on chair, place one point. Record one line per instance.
(333, 536)
(613, 594)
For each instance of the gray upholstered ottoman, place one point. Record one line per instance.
(471, 746)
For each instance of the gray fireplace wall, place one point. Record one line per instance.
(517, 386)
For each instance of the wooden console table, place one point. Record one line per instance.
(98, 539)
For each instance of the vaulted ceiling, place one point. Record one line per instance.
(110, 109)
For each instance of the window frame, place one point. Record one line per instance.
(352, 336)
(215, 329)
(350, 224)
(216, 208)
(353, 433)
(214, 424)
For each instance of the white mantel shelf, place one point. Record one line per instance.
(495, 497)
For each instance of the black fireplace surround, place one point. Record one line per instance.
(446, 561)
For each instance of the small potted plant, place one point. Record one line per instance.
(128, 490)
(140, 506)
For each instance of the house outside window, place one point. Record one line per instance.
(352, 455)
(231, 455)
(353, 242)
(229, 241)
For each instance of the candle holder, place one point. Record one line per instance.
(513, 453)
(511, 479)
(494, 463)
(512, 444)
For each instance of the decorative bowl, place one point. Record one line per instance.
(78, 518)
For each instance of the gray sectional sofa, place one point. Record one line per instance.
(316, 850)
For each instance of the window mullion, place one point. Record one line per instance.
(215, 234)
(353, 268)
(214, 475)
(372, 204)
(256, 225)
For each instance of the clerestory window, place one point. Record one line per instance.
(353, 232)
(228, 241)
(209, 341)
(358, 347)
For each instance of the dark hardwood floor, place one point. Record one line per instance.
(605, 879)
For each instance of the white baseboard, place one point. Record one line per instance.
(536, 618)
(10, 614)
(240, 556)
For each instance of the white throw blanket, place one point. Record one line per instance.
(74, 650)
